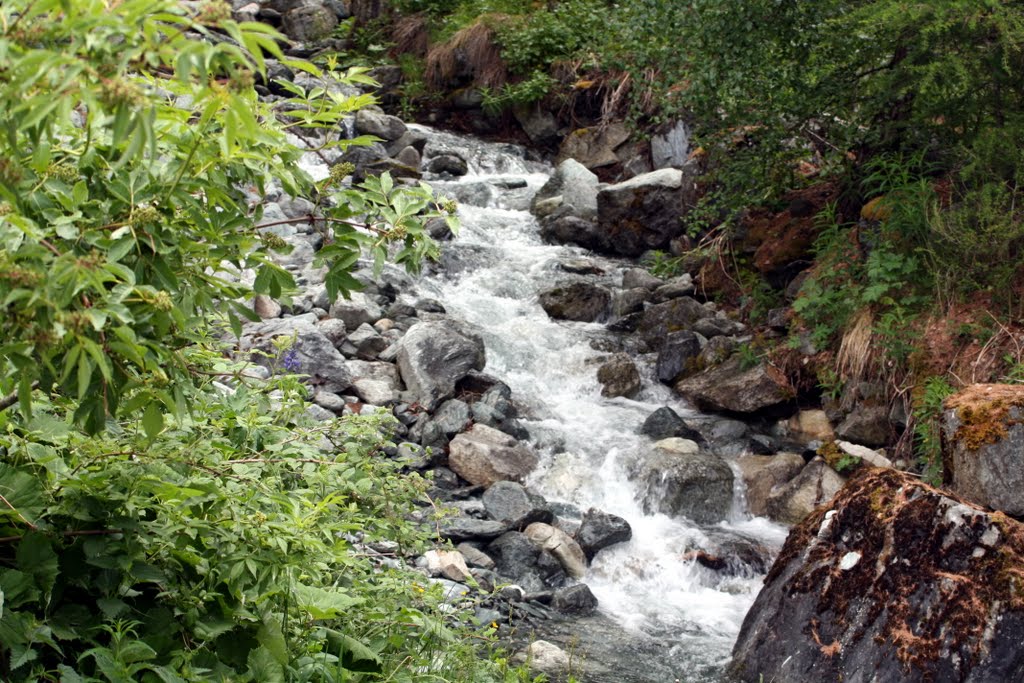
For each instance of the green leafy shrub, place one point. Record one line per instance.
(165, 514)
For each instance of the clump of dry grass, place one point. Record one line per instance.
(855, 353)
(471, 54)
(411, 36)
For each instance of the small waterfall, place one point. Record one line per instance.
(651, 590)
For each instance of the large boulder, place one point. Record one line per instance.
(678, 357)
(671, 148)
(309, 22)
(892, 581)
(644, 212)
(594, 147)
(599, 529)
(434, 355)
(577, 187)
(372, 121)
(733, 388)
(619, 377)
(680, 480)
(983, 427)
(579, 301)
(511, 503)
(665, 423)
(483, 456)
(311, 353)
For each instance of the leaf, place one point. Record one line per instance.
(19, 588)
(69, 675)
(272, 639)
(324, 604)
(263, 667)
(23, 492)
(136, 651)
(152, 421)
(37, 557)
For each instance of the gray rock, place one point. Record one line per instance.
(577, 187)
(644, 212)
(447, 563)
(365, 342)
(598, 530)
(731, 387)
(638, 277)
(665, 423)
(673, 289)
(515, 557)
(513, 504)
(311, 353)
(561, 545)
(333, 329)
(579, 301)
(678, 357)
(764, 473)
(628, 301)
(372, 121)
(868, 425)
(453, 416)
(577, 600)
(356, 310)
(572, 230)
(329, 400)
(410, 138)
(539, 124)
(409, 156)
(658, 321)
(434, 356)
(869, 590)
(816, 484)
(265, 307)
(686, 483)
(594, 147)
(309, 23)
(468, 528)
(546, 658)
(475, 557)
(983, 426)
(448, 163)
(483, 456)
(672, 147)
(717, 326)
(716, 351)
(619, 377)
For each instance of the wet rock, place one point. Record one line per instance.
(464, 528)
(598, 530)
(717, 326)
(448, 563)
(433, 356)
(665, 423)
(685, 482)
(897, 581)
(539, 124)
(579, 301)
(619, 377)
(448, 163)
(868, 425)
(372, 121)
(983, 426)
(816, 484)
(731, 387)
(660, 320)
(484, 455)
(644, 212)
(561, 545)
(515, 557)
(764, 473)
(410, 157)
(571, 230)
(629, 301)
(513, 504)
(577, 600)
(678, 357)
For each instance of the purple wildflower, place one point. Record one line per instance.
(290, 361)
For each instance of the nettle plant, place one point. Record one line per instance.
(165, 513)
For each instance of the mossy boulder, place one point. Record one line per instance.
(983, 430)
(892, 581)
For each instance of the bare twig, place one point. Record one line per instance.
(20, 516)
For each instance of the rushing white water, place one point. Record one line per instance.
(496, 268)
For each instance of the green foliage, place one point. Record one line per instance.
(927, 419)
(165, 515)
(663, 265)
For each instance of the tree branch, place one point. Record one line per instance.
(12, 398)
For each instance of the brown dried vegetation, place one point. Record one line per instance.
(470, 57)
